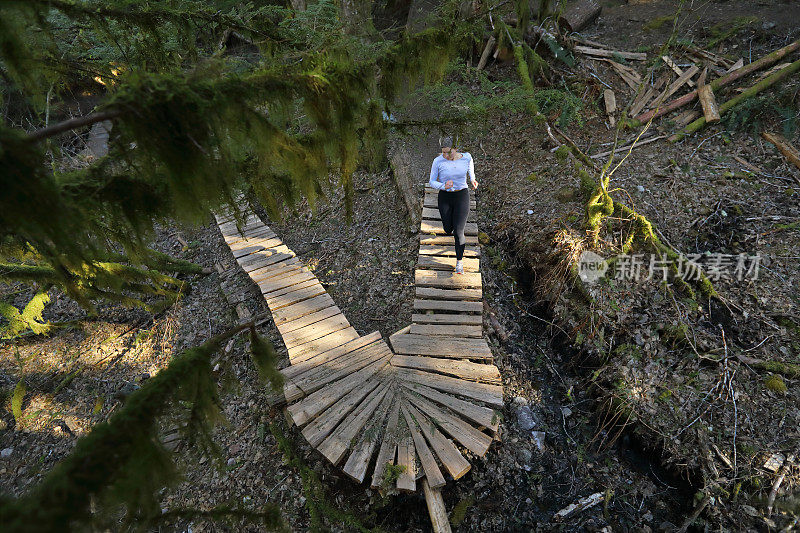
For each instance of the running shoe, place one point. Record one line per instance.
(459, 267)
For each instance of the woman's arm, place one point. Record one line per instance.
(434, 181)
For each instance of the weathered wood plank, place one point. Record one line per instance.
(336, 444)
(426, 458)
(314, 404)
(288, 267)
(440, 318)
(265, 258)
(448, 250)
(320, 359)
(316, 330)
(436, 262)
(461, 369)
(406, 458)
(294, 297)
(471, 438)
(447, 280)
(316, 431)
(308, 319)
(276, 287)
(386, 453)
(331, 340)
(334, 370)
(446, 451)
(432, 213)
(435, 227)
(456, 347)
(358, 461)
(483, 416)
(489, 394)
(446, 240)
(433, 293)
(301, 309)
(447, 330)
(456, 306)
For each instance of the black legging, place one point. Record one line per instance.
(454, 209)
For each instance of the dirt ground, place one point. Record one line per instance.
(634, 393)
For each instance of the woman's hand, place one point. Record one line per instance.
(474, 184)
(448, 184)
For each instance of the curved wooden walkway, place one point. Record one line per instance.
(422, 405)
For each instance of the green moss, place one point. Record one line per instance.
(725, 30)
(775, 383)
(391, 474)
(533, 177)
(460, 510)
(562, 153)
(658, 22)
(483, 238)
(628, 351)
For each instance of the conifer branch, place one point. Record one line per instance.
(73, 123)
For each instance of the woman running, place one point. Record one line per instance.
(449, 174)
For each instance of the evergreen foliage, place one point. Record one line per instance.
(193, 128)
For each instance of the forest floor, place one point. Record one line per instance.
(648, 403)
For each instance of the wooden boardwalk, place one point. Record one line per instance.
(426, 404)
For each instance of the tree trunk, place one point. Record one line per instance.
(580, 14)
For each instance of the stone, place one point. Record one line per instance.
(519, 400)
(538, 439)
(525, 419)
(6, 452)
(231, 462)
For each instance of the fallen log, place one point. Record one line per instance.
(709, 103)
(765, 61)
(610, 101)
(752, 91)
(486, 52)
(785, 147)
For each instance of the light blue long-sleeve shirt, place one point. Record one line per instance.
(443, 169)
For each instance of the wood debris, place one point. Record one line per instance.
(580, 14)
(580, 505)
(709, 103)
(610, 101)
(671, 64)
(600, 52)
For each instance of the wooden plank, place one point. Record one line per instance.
(436, 262)
(316, 431)
(639, 103)
(294, 297)
(265, 258)
(433, 201)
(448, 241)
(406, 458)
(314, 404)
(426, 458)
(336, 444)
(308, 319)
(461, 369)
(293, 371)
(671, 64)
(674, 86)
(440, 318)
(432, 293)
(432, 213)
(469, 251)
(447, 280)
(458, 306)
(314, 379)
(331, 340)
(231, 228)
(784, 147)
(386, 453)
(277, 287)
(483, 392)
(358, 461)
(446, 451)
(483, 416)
(409, 344)
(301, 309)
(597, 52)
(274, 272)
(316, 330)
(261, 239)
(435, 227)
(447, 330)
(468, 436)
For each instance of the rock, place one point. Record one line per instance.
(524, 457)
(6, 452)
(640, 188)
(566, 411)
(231, 462)
(525, 418)
(538, 439)
(519, 400)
